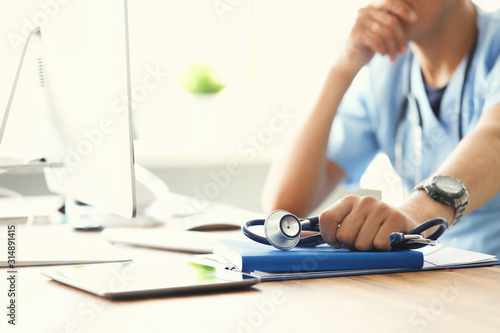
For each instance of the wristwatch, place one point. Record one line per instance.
(449, 191)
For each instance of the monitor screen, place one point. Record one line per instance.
(83, 95)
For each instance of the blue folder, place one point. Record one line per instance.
(249, 256)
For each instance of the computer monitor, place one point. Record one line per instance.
(84, 102)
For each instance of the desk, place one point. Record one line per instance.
(440, 301)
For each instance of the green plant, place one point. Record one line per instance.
(200, 78)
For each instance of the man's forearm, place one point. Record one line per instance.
(301, 176)
(475, 162)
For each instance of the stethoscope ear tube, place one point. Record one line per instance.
(406, 241)
(410, 110)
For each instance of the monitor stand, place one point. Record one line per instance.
(149, 189)
(34, 164)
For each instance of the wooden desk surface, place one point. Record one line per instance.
(465, 300)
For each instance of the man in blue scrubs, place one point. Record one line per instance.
(444, 56)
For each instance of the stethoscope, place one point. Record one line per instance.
(410, 112)
(283, 231)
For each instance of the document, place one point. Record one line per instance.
(53, 245)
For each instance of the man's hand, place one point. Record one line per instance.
(378, 29)
(362, 223)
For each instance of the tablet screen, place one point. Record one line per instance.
(149, 279)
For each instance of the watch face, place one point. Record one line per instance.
(448, 185)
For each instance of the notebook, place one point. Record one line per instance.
(248, 256)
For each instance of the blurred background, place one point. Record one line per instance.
(217, 87)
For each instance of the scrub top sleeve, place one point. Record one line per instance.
(352, 144)
(493, 94)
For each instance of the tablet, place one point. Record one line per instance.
(130, 280)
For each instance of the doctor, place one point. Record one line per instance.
(431, 103)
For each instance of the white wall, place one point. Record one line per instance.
(272, 54)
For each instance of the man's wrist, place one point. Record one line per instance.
(421, 207)
(347, 66)
(449, 191)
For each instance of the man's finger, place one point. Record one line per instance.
(399, 8)
(393, 25)
(330, 219)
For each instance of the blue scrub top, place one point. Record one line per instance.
(366, 122)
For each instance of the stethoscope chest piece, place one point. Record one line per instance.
(282, 230)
